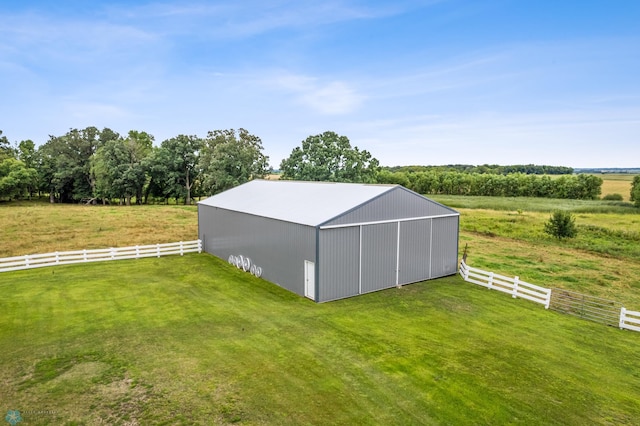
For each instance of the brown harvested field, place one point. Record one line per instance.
(616, 184)
(38, 227)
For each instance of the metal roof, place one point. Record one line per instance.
(307, 203)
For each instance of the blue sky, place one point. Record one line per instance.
(413, 82)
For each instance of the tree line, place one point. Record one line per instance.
(585, 187)
(494, 169)
(91, 165)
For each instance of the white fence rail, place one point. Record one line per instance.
(81, 256)
(513, 286)
(629, 320)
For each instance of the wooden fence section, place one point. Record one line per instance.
(587, 307)
(629, 320)
(513, 286)
(81, 256)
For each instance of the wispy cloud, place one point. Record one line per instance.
(325, 97)
(232, 19)
(567, 137)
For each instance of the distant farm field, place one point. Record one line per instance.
(617, 184)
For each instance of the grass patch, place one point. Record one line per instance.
(531, 204)
(37, 227)
(191, 340)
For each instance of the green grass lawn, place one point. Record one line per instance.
(190, 340)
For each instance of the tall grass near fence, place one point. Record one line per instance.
(37, 227)
(193, 340)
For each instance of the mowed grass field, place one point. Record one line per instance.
(191, 340)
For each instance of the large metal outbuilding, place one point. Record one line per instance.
(328, 241)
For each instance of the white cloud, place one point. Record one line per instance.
(324, 97)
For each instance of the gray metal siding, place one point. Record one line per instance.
(279, 248)
(349, 260)
(379, 254)
(338, 263)
(444, 248)
(415, 251)
(397, 203)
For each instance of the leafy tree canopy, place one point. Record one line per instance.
(66, 162)
(182, 153)
(230, 158)
(6, 151)
(329, 157)
(16, 179)
(119, 167)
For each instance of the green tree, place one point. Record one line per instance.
(561, 225)
(16, 179)
(27, 153)
(182, 153)
(396, 178)
(65, 163)
(119, 167)
(635, 191)
(329, 157)
(6, 151)
(157, 165)
(230, 158)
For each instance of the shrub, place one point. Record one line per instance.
(613, 197)
(635, 191)
(561, 224)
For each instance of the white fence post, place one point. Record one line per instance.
(548, 300)
(57, 258)
(26, 261)
(623, 313)
(199, 246)
(84, 254)
(158, 249)
(490, 282)
(515, 287)
(181, 249)
(464, 269)
(113, 253)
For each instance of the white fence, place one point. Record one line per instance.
(629, 320)
(81, 256)
(513, 286)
